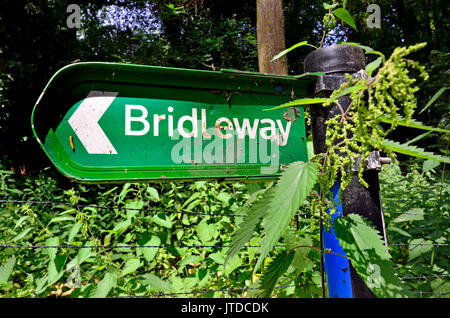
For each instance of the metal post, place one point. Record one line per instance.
(335, 61)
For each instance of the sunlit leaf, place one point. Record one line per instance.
(277, 267)
(412, 215)
(418, 247)
(6, 269)
(104, 287)
(294, 185)
(412, 123)
(433, 99)
(291, 48)
(150, 251)
(327, 6)
(345, 16)
(248, 226)
(366, 250)
(131, 266)
(299, 102)
(372, 66)
(349, 90)
(413, 151)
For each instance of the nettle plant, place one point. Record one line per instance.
(380, 102)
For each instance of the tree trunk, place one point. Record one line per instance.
(270, 32)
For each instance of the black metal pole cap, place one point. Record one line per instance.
(338, 58)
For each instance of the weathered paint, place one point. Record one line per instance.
(105, 122)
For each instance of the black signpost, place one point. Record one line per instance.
(335, 61)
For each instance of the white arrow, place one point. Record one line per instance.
(84, 122)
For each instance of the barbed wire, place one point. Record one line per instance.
(408, 213)
(170, 246)
(204, 291)
(424, 277)
(245, 288)
(432, 293)
(417, 244)
(157, 210)
(119, 246)
(106, 207)
(384, 197)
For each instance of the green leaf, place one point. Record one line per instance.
(150, 252)
(383, 58)
(372, 66)
(399, 231)
(299, 102)
(349, 90)
(364, 47)
(56, 269)
(122, 226)
(22, 234)
(327, 6)
(131, 266)
(295, 183)
(310, 74)
(433, 99)
(154, 283)
(232, 263)
(224, 197)
(124, 192)
(41, 285)
(291, 48)
(254, 196)
(206, 231)
(193, 197)
(133, 208)
(310, 148)
(418, 138)
(188, 260)
(248, 226)
(368, 254)
(301, 260)
(74, 231)
(277, 267)
(415, 214)
(216, 257)
(153, 193)
(412, 123)
(440, 286)
(104, 286)
(84, 253)
(345, 16)
(418, 247)
(61, 219)
(54, 241)
(413, 151)
(429, 165)
(21, 220)
(162, 219)
(6, 269)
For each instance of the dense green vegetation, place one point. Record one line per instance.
(414, 204)
(172, 268)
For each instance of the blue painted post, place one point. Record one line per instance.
(337, 268)
(335, 61)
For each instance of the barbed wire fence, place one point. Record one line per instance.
(237, 215)
(122, 246)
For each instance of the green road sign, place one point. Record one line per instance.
(100, 122)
